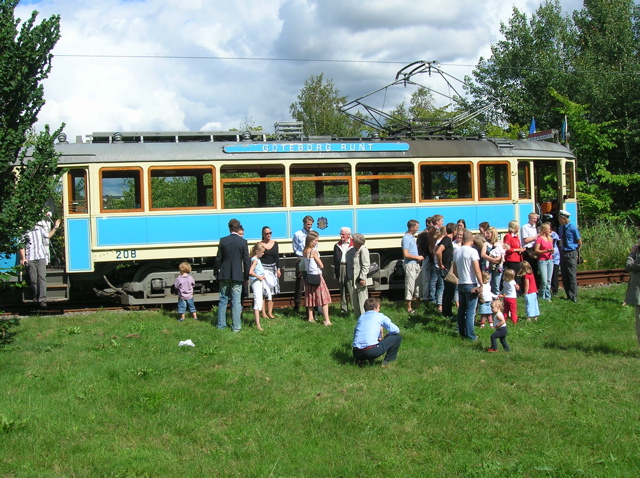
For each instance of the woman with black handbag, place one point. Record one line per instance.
(444, 253)
(316, 291)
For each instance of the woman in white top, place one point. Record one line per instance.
(316, 295)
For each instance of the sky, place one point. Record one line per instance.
(214, 65)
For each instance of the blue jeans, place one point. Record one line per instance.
(467, 311)
(425, 278)
(546, 273)
(433, 282)
(496, 278)
(230, 289)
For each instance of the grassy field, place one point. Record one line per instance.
(112, 394)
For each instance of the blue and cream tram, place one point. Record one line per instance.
(137, 204)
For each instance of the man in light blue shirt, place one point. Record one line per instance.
(368, 343)
(297, 243)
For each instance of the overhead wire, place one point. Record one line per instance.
(481, 64)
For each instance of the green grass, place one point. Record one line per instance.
(112, 394)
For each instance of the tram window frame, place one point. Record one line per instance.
(203, 191)
(274, 174)
(75, 203)
(301, 173)
(483, 194)
(524, 180)
(570, 184)
(379, 181)
(134, 173)
(443, 166)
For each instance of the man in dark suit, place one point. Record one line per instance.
(233, 268)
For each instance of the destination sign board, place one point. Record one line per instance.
(542, 135)
(316, 147)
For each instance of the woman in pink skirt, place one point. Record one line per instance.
(316, 292)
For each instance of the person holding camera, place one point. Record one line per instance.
(632, 297)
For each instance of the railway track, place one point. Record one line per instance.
(585, 278)
(607, 276)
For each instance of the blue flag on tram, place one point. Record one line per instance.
(532, 128)
(564, 129)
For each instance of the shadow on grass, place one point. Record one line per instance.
(434, 322)
(591, 348)
(343, 354)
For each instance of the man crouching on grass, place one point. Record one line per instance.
(368, 340)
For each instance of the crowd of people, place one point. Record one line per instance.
(448, 264)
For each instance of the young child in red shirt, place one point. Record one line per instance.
(530, 291)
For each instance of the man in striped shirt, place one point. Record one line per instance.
(35, 256)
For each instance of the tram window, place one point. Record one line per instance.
(569, 180)
(384, 183)
(120, 189)
(524, 182)
(77, 182)
(181, 187)
(254, 186)
(320, 185)
(494, 180)
(445, 181)
(546, 182)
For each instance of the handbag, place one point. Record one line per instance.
(451, 277)
(313, 279)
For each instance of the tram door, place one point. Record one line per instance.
(547, 186)
(77, 222)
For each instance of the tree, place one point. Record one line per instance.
(25, 184)
(608, 68)
(317, 107)
(537, 53)
(585, 66)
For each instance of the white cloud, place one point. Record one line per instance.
(92, 93)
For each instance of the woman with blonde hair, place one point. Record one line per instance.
(513, 248)
(492, 254)
(543, 249)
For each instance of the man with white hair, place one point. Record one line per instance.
(340, 265)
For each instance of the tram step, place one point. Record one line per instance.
(57, 287)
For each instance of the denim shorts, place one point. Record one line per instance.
(484, 308)
(183, 303)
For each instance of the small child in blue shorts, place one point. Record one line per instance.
(184, 285)
(484, 305)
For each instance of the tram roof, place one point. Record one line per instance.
(203, 149)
